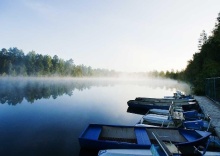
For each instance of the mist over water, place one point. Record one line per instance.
(14, 90)
(45, 116)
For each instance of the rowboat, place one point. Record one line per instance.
(145, 99)
(162, 105)
(156, 150)
(188, 115)
(179, 95)
(157, 120)
(166, 121)
(99, 136)
(174, 117)
(162, 118)
(160, 149)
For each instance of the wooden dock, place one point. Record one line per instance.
(212, 109)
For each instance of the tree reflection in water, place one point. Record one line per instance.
(13, 90)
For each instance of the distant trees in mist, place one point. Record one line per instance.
(176, 75)
(13, 62)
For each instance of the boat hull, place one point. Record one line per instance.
(167, 100)
(97, 136)
(166, 106)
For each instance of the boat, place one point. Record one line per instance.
(160, 105)
(188, 115)
(161, 149)
(162, 118)
(159, 120)
(155, 150)
(146, 99)
(174, 117)
(179, 95)
(158, 150)
(156, 120)
(100, 136)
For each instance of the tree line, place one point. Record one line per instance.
(205, 63)
(13, 62)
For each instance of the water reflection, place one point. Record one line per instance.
(14, 90)
(137, 111)
(60, 110)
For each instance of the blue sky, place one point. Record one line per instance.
(123, 35)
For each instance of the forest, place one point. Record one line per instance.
(13, 62)
(205, 63)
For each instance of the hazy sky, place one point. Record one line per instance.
(124, 35)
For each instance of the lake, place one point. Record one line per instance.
(45, 116)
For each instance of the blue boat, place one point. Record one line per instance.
(99, 136)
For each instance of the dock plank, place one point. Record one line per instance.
(212, 109)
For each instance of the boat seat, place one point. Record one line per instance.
(190, 135)
(169, 148)
(93, 133)
(142, 136)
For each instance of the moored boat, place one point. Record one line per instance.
(159, 120)
(160, 105)
(156, 120)
(164, 100)
(174, 117)
(99, 136)
(179, 95)
(188, 115)
(156, 150)
(163, 118)
(161, 149)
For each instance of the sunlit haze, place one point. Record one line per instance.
(123, 35)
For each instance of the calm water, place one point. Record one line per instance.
(43, 117)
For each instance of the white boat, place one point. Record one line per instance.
(164, 111)
(157, 120)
